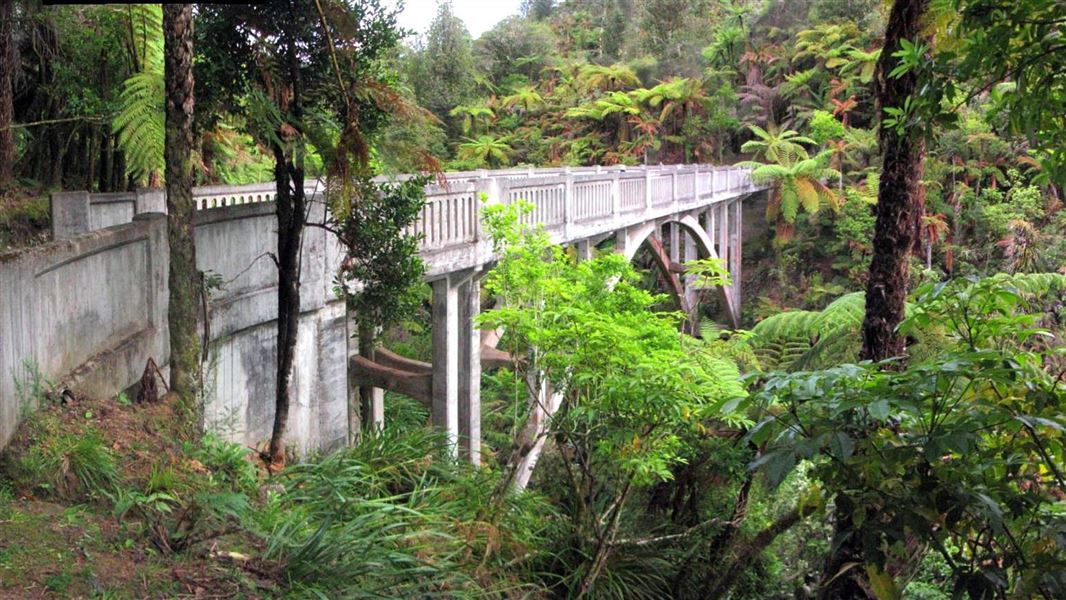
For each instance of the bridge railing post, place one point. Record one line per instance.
(647, 189)
(569, 201)
(616, 196)
(489, 187)
(674, 199)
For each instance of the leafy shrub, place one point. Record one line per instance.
(961, 450)
(228, 462)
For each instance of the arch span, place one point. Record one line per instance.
(629, 241)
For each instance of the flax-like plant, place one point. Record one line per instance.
(395, 517)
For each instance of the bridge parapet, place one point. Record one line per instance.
(561, 197)
(570, 205)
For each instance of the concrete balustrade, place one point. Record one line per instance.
(90, 308)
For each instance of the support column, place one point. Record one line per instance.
(735, 252)
(723, 233)
(689, 247)
(584, 250)
(675, 242)
(692, 296)
(709, 223)
(444, 411)
(470, 371)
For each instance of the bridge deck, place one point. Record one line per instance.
(572, 204)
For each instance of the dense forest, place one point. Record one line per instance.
(888, 425)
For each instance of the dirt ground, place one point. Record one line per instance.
(75, 547)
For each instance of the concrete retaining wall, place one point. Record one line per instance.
(90, 310)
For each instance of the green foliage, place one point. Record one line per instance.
(382, 253)
(175, 522)
(1019, 40)
(486, 150)
(66, 465)
(938, 452)
(801, 339)
(784, 147)
(139, 121)
(825, 127)
(232, 157)
(629, 389)
(782, 339)
(393, 517)
(229, 464)
(443, 70)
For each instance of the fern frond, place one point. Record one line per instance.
(140, 121)
(780, 340)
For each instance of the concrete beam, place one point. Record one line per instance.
(365, 372)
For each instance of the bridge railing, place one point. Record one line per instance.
(571, 203)
(564, 198)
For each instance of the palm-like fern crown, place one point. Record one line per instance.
(783, 147)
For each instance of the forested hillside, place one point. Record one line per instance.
(888, 422)
(786, 84)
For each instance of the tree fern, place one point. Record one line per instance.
(846, 311)
(780, 340)
(140, 120)
(1035, 284)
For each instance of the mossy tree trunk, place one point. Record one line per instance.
(897, 233)
(184, 278)
(899, 199)
(291, 207)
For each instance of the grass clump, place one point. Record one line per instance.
(394, 517)
(67, 465)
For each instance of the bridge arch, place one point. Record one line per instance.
(629, 242)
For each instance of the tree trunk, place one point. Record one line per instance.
(368, 350)
(897, 233)
(743, 554)
(291, 207)
(7, 107)
(899, 209)
(184, 278)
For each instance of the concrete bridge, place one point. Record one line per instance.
(90, 308)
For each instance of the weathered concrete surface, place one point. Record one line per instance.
(90, 308)
(90, 311)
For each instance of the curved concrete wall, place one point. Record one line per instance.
(90, 310)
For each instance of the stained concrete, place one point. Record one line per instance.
(90, 308)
